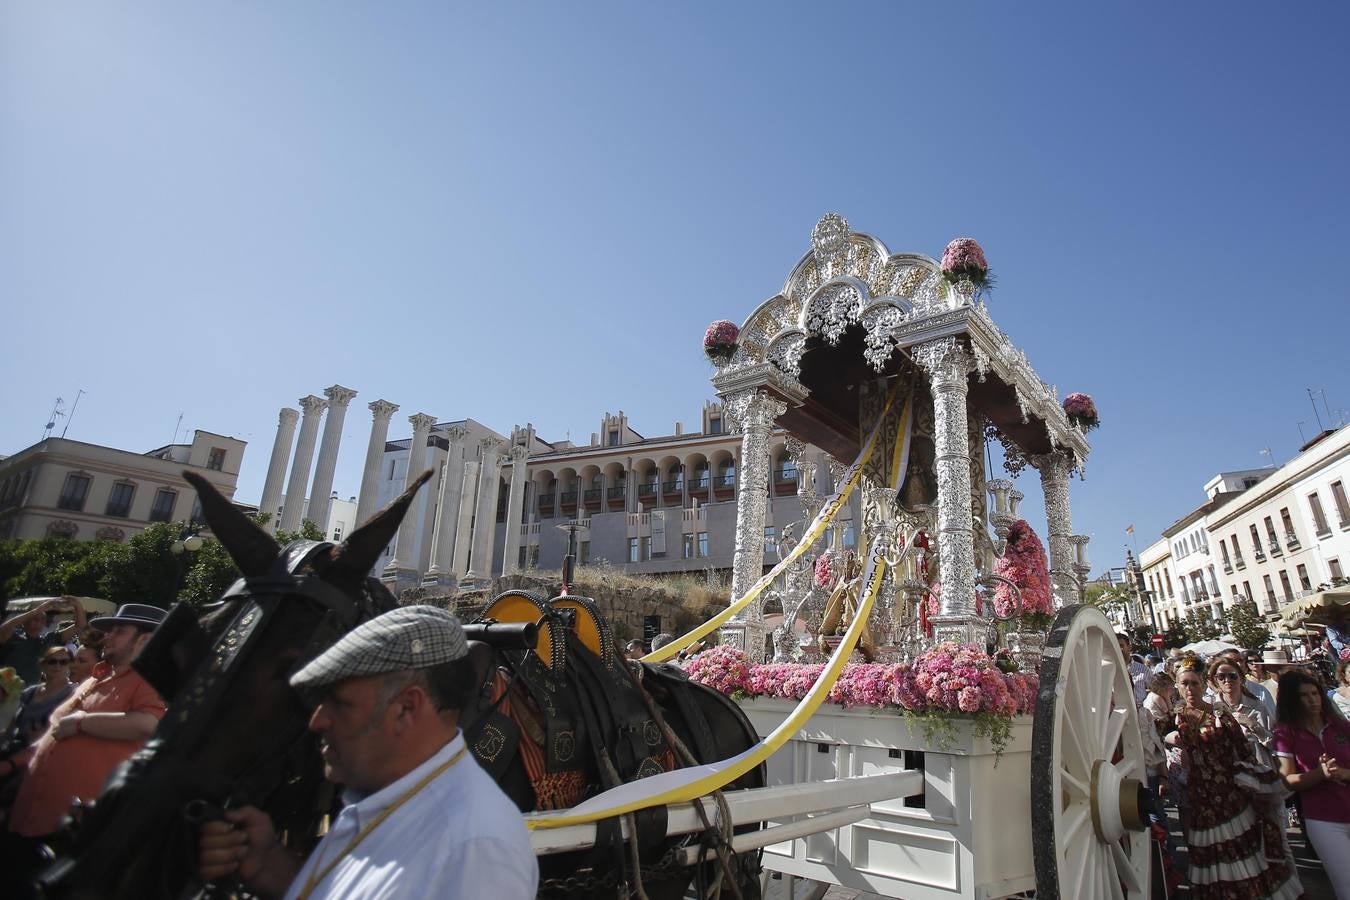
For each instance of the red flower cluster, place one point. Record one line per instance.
(1082, 410)
(821, 571)
(1025, 565)
(719, 341)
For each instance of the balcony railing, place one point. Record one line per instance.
(1240, 562)
(546, 499)
(646, 490)
(593, 495)
(1275, 548)
(700, 484)
(672, 487)
(1291, 541)
(615, 493)
(1228, 568)
(569, 498)
(785, 475)
(1260, 557)
(725, 481)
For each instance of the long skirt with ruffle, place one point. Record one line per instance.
(1236, 850)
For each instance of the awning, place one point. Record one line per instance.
(1322, 608)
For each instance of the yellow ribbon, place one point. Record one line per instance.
(682, 785)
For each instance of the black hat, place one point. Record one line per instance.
(142, 615)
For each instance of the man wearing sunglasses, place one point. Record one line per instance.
(109, 717)
(26, 636)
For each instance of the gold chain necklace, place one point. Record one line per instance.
(317, 875)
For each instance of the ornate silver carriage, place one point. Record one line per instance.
(890, 377)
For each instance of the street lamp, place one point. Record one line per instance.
(570, 560)
(181, 548)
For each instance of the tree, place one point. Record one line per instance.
(1200, 627)
(1249, 629)
(1176, 635)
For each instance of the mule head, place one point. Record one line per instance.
(235, 731)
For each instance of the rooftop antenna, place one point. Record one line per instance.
(1266, 451)
(1320, 427)
(1302, 438)
(56, 413)
(177, 425)
(74, 406)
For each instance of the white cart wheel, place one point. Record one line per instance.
(1089, 834)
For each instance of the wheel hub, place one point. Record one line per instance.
(1115, 803)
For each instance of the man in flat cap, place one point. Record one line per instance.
(422, 818)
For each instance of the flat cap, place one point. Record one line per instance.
(410, 637)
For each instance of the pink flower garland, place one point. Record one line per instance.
(1025, 565)
(956, 678)
(964, 258)
(821, 572)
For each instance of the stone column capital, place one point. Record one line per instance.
(382, 409)
(288, 416)
(753, 410)
(945, 359)
(338, 395)
(421, 422)
(456, 434)
(488, 446)
(313, 405)
(1054, 461)
(519, 454)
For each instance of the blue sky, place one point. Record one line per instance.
(530, 211)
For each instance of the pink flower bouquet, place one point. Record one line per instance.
(719, 341)
(821, 572)
(1082, 411)
(1024, 564)
(964, 258)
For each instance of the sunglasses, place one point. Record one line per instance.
(1227, 676)
(56, 662)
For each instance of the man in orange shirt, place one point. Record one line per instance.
(100, 726)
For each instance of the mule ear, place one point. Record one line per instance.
(354, 557)
(252, 549)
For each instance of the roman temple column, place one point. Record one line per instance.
(485, 516)
(442, 569)
(321, 492)
(464, 526)
(293, 511)
(368, 501)
(515, 501)
(276, 467)
(947, 363)
(406, 556)
(1054, 469)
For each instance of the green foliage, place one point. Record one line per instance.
(143, 570)
(1249, 629)
(1200, 627)
(1176, 635)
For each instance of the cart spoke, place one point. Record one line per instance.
(1115, 727)
(1074, 750)
(1125, 868)
(1105, 673)
(1076, 785)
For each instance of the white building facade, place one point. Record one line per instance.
(1272, 535)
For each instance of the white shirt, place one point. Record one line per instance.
(460, 836)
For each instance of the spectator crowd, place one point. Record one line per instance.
(1242, 748)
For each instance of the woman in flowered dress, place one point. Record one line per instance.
(1235, 851)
